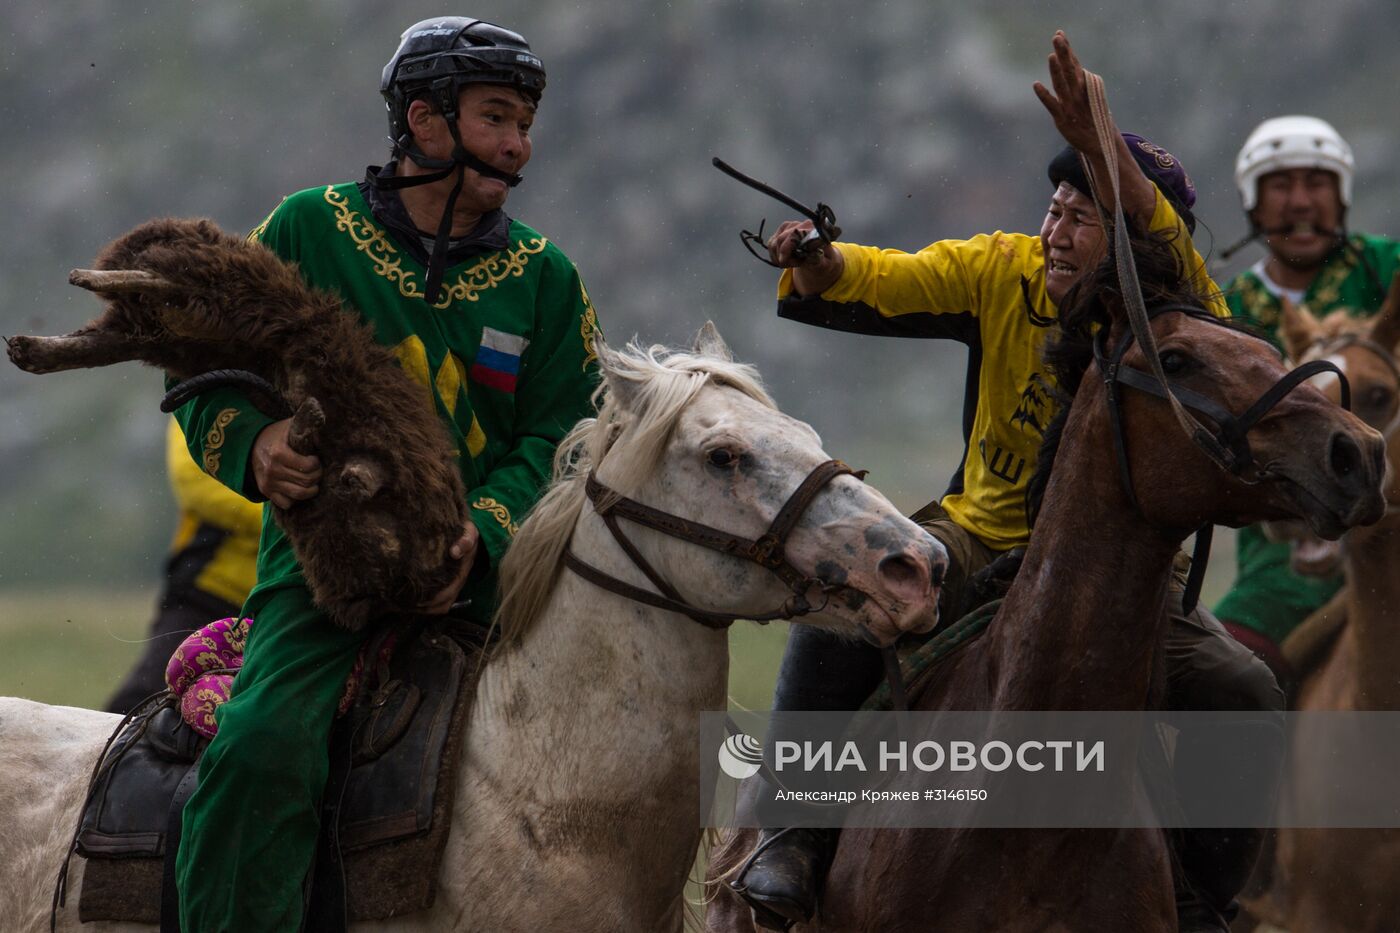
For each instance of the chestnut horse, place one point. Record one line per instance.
(1349, 879)
(1083, 626)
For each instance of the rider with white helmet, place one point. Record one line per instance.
(1293, 143)
(1295, 177)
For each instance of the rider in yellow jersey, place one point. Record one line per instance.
(990, 292)
(999, 294)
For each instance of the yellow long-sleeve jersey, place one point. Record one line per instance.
(989, 293)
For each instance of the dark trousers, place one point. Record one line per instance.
(251, 826)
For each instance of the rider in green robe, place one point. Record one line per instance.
(492, 320)
(1295, 178)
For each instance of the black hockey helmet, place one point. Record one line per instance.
(437, 57)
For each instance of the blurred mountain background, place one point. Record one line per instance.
(915, 120)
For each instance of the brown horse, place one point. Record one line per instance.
(1082, 629)
(1349, 879)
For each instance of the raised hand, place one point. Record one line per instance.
(1068, 105)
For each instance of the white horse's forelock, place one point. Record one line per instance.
(643, 392)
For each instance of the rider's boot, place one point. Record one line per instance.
(783, 878)
(1214, 866)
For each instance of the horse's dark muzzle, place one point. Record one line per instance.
(1357, 464)
(1346, 492)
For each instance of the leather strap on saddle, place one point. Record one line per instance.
(327, 908)
(174, 826)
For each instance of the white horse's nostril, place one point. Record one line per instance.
(905, 576)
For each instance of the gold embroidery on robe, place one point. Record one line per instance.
(588, 328)
(485, 275)
(213, 459)
(497, 511)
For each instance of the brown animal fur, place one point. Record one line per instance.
(375, 539)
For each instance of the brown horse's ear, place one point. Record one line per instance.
(1298, 329)
(1386, 331)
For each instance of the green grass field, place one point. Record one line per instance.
(72, 647)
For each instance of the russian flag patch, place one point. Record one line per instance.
(497, 361)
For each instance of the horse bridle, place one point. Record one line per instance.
(1228, 444)
(767, 550)
(1335, 344)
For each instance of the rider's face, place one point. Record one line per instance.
(1072, 240)
(494, 124)
(1300, 212)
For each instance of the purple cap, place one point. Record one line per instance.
(1163, 168)
(1160, 166)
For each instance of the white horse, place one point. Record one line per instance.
(578, 800)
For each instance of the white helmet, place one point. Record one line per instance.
(1292, 142)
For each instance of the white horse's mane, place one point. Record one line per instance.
(643, 392)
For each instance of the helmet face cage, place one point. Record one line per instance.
(1293, 142)
(437, 58)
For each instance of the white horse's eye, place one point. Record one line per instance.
(722, 457)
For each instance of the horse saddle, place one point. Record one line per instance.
(388, 805)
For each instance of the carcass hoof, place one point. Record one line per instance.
(25, 353)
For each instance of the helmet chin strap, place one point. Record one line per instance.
(1257, 232)
(460, 157)
(460, 160)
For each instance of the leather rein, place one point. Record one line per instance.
(1227, 445)
(767, 550)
